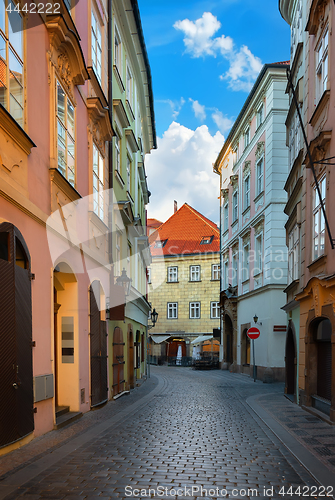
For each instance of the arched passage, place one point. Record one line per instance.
(229, 340)
(118, 361)
(98, 345)
(16, 402)
(290, 363)
(131, 363)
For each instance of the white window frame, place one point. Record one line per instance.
(321, 64)
(258, 268)
(246, 137)
(96, 45)
(246, 191)
(319, 229)
(246, 259)
(215, 310)
(215, 272)
(98, 183)
(260, 176)
(117, 152)
(172, 274)
(117, 50)
(129, 86)
(235, 269)
(117, 263)
(129, 166)
(195, 310)
(68, 137)
(226, 274)
(195, 273)
(293, 253)
(234, 201)
(226, 216)
(149, 275)
(172, 310)
(260, 116)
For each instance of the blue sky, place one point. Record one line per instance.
(204, 58)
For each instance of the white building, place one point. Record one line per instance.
(253, 166)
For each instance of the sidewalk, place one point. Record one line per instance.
(307, 437)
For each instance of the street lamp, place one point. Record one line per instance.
(255, 318)
(124, 281)
(154, 316)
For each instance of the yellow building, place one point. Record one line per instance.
(184, 283)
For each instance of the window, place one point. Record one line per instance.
(118, 153)
(215, 310)
(259, 176)
(293, 254)
(11, 62)
(129, 86)
(235, 206)
(246, 251)
(226, 274)
(128, 174)
(247, 192)
(149, 274)
(160, 243)
(65, 135)
(117, 50)
(117, 254)
(206, 240)
(96, 46)
(194, 310)
(321, 65)
(318, 220)
(235, 155)
(172, 274)
(247, 137)
(129, 260)
(172, 310)
(260, 116)
(98, 183)
(235, 269)
(215, 271)
(225, 217)
(194, 273)
(258, 254)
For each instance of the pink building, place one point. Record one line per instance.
(310, 205)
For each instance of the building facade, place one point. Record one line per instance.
(135, 136)
(312, 175)
(253, 168)
(184, 282)
(56, 208)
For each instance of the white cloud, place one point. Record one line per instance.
(243, 70)
(223, 123)
(181, 169)
(174, 105)
(199, 110)
(243, 65)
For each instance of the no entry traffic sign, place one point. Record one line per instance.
(253, 333)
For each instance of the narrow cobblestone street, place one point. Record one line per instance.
(181, 429)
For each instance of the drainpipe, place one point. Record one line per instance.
(110, 143)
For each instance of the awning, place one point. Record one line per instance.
(158, 339)
(200, 339)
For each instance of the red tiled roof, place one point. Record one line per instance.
(154, 223)
(183, 233)
(284, 63)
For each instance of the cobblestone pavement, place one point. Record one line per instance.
(193, 430)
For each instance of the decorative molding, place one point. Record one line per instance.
(246, 168)
(64, 71)
(131, 140)
(260, 148)
(317, 14)
(225, 194)
(234, 180)
(101, 127)
(121, 113)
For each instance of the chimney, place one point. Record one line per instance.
(175, 206)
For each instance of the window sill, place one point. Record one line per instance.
(15, 131)
(317, 262)
(258, 275)
(258, 197)
(119, 178)
(172, 282)
(130, 198)
(246, 281)
(194, 281)
(234, 223)
(323, 101)
(130, 110)
(171, 318)
(218, 279)
(118, 78)
(246, 210)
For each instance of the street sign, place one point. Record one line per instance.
(253, 333)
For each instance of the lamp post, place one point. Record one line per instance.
(253, 350)
(153, 316)
(124, 281)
